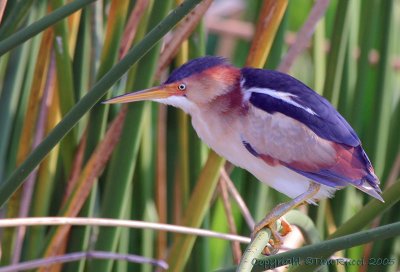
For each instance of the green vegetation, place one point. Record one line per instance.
(62, 153)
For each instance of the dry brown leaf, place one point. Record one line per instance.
(182, 32)
(93, 168)
(131, 27)
(3, 4)
(270, 18)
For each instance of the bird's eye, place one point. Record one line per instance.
(182, 87)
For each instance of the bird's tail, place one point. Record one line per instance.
(370, 182)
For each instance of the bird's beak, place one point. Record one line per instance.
(159, 92)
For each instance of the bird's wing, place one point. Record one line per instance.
(289, 124)
(275, 92)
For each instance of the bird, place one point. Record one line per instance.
(271, 124)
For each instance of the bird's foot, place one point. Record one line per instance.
(286, 228)
(276, 241)
(277, 215)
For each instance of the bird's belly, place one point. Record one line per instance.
(226, 141)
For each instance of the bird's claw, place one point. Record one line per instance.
(271, 248)
(286, 228)
(275, 243)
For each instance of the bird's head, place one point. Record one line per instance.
(195, 83)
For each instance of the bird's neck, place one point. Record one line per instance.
(220, 94)
(229, 103)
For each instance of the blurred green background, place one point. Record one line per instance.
(60, 72)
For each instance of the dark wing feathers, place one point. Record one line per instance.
(353, 166)
(327, 123)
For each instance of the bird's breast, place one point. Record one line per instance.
(220, 134)
(225, 139)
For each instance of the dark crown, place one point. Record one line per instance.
(196, 66)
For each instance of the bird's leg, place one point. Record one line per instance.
(280, 210)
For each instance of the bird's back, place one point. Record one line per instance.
(321, 144)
